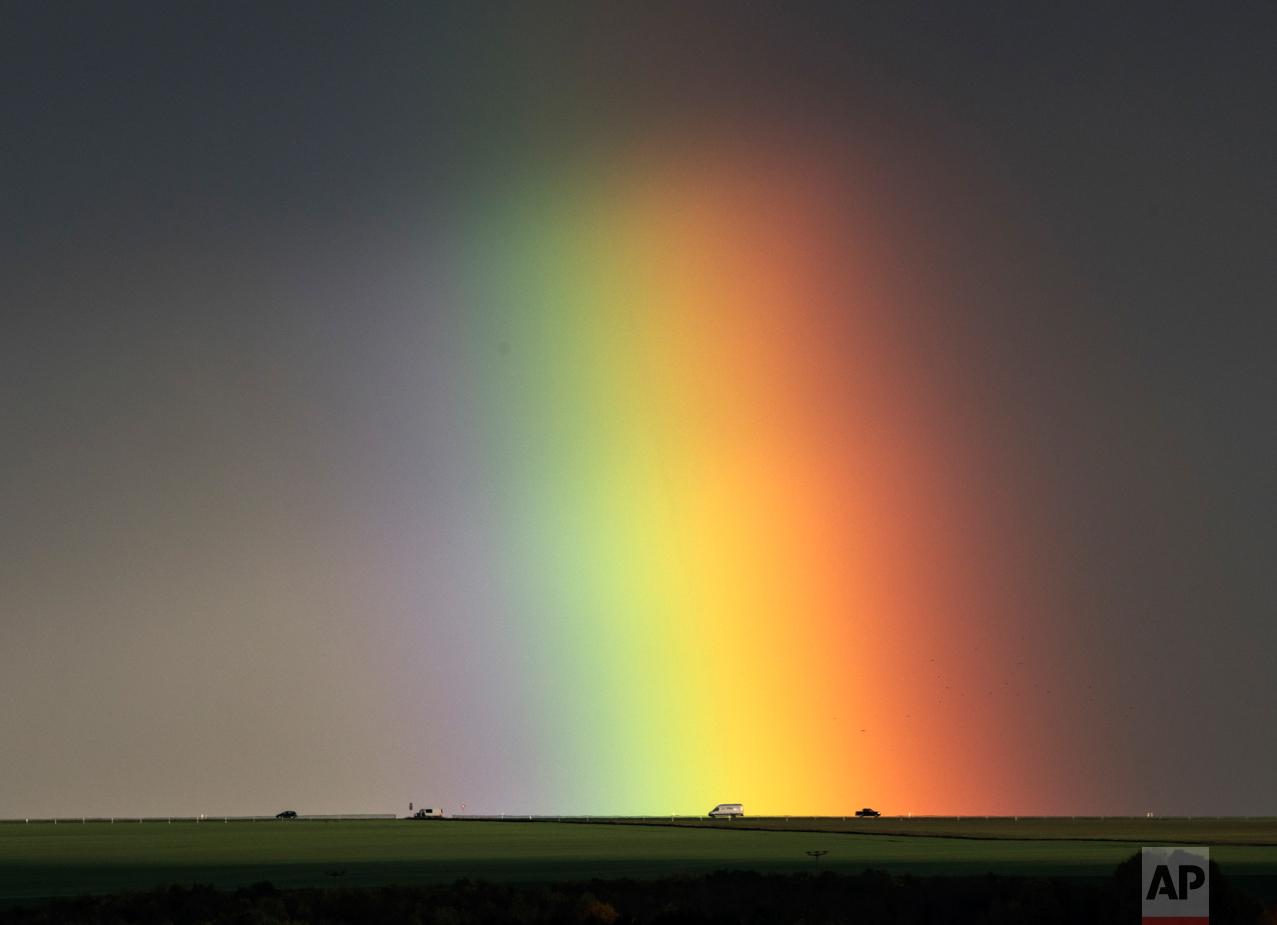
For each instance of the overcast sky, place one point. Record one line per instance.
(238, 567)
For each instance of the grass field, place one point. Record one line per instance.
(44, 860)
(1151, 831)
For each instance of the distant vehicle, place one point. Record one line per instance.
(867, 813)
(730, 810)
(428, 814)
(286, 814)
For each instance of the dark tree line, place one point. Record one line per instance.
(722, 898)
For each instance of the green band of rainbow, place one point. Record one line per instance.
(728, 534)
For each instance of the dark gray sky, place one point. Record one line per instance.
(234, 547)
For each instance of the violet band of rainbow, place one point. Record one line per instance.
(726, 530)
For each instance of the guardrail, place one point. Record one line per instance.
(523, 817)
(149, 820)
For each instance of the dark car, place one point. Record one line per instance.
(867, 812)
(286, 814)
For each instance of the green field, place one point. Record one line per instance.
(1151, 831)
(44, 860)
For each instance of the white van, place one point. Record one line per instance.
(730, 810)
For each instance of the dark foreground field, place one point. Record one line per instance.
(870, 898)
(43, 861)
(1144, 831)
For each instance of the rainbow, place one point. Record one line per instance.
(740, 558)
